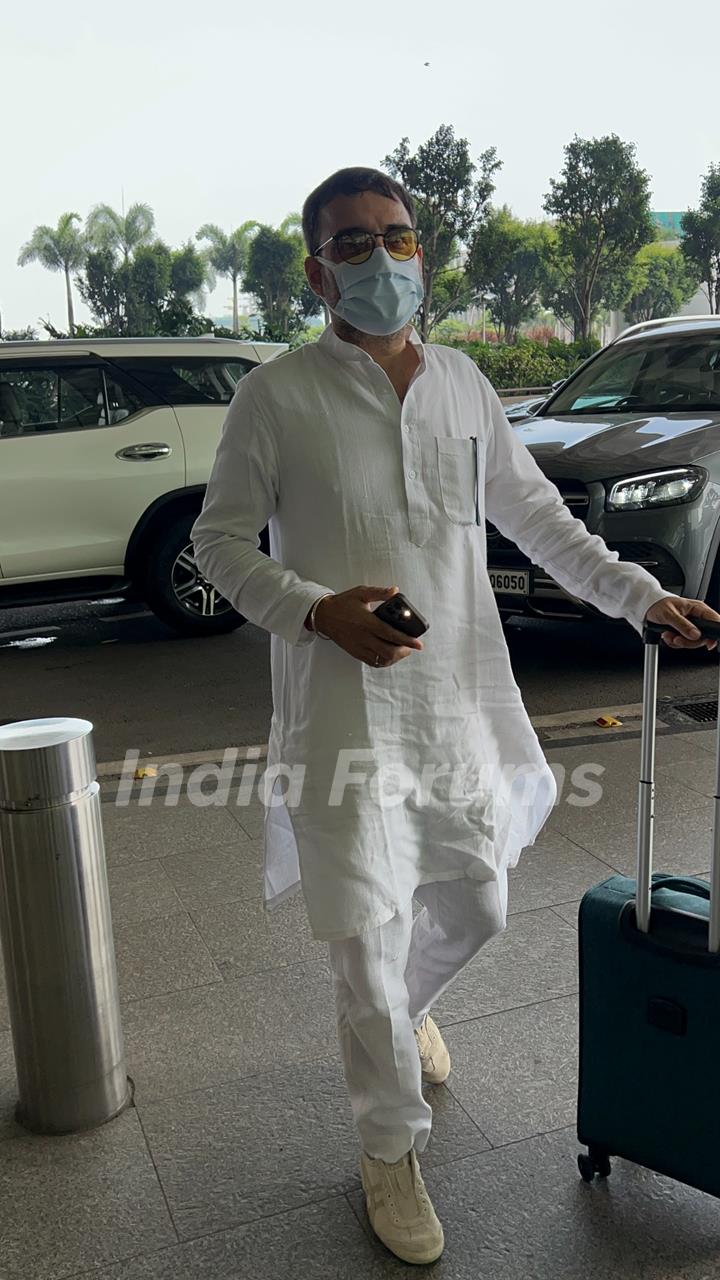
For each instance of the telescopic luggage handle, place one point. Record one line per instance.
(652, 631)
(652, 634)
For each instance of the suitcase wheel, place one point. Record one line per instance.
(595, 1162)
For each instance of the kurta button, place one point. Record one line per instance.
(412, 474)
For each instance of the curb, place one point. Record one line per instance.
(569, 721)
(114, 768)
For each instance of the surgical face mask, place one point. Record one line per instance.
(379, 296)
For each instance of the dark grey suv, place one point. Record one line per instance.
(632, 440)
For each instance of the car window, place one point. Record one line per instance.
(190, 380)
(65, 398)
(34, 400)
(680, 373)
(123, 399)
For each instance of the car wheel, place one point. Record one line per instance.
(176, 590)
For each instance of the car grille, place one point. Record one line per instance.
(548, 599)
(576, 498)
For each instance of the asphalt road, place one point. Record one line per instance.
(144, 687)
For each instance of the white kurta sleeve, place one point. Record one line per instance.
(527, 508)
(242, 494)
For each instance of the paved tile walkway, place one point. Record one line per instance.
(239, 1160)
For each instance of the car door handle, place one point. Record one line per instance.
(144, 452)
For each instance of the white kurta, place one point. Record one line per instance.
(361, 490)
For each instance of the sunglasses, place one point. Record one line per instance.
(356, 247)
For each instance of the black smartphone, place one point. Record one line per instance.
(399, 613)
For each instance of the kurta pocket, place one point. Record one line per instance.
(457, 469)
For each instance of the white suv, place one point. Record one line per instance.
(105, 451)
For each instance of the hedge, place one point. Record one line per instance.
(527, 363)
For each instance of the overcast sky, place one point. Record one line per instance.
(217, 112)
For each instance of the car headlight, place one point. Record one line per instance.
(656, 489)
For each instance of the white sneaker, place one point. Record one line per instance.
(434, 1056)
(399, 1208)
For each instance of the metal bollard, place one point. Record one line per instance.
(56, 929)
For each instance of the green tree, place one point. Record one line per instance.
(149, 295)
(60, 248)
(227, 254)
(148, 287)
(290, 224)
(451, 294)
(701, 237)
(275, 275)
(451, 195)
(103, 288)
(601, 207)
(505, 261)
(662, 280)
(121, 233)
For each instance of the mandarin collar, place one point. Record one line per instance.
(342, 350)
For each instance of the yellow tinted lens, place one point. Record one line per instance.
(401, 244)
(355, 248)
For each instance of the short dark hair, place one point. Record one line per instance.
(350, 182)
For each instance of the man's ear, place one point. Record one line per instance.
(313, 271)
(323, 285)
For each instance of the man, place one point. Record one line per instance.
(375, 459)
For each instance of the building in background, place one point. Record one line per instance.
(670, 224)
(248, 314)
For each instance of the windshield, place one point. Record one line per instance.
(647, 375)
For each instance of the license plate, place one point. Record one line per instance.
(510, 582)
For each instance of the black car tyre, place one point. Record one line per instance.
(177, 592)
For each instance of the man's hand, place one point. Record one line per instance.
(676, 611)
(348, 619)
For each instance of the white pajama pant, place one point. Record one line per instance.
(385, 981)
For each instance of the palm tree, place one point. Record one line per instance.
(60, 248)
(227, 254)
(120, 232)
(292, 225)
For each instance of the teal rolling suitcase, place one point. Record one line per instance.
(650, 1002)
